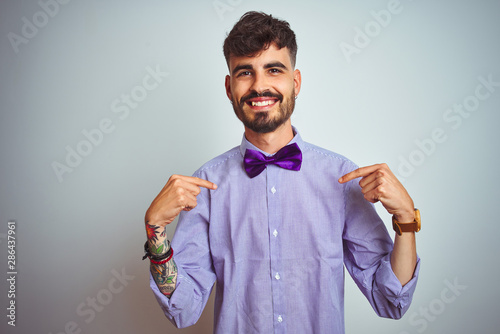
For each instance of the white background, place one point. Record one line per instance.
(373, 106)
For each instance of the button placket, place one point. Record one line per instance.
(274, 223)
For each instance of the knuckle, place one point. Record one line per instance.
(176, 182)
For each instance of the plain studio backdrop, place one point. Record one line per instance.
(102, 101)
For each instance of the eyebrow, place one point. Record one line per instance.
(266, 66)
(275, 64)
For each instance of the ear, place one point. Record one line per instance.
(228, 88)
(297, 79)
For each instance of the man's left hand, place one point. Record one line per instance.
(378, 183)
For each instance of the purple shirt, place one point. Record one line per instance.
(277, 244)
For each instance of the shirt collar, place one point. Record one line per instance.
(245, 144)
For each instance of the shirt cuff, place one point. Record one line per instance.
(183, 298)
(390, 286)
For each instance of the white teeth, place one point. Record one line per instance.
(262, 103)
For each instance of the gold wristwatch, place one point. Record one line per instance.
(407, 227)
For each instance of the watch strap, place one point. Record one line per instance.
(407, 227)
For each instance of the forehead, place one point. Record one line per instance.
(270, 55)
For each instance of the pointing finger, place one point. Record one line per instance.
(360, 172)
(202, 183)
(193, 180)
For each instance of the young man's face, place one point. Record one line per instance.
(263, 88)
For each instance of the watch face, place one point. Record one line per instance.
(417, 219)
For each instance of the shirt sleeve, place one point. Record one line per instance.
(367, 253)
(196, 275)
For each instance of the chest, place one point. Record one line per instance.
(279, 211)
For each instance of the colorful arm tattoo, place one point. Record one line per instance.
(165, 275)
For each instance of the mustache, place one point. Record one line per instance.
(266, 93)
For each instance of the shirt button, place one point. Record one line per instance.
(275, 233)
(277, 276)
(273, 190)
(280, 319)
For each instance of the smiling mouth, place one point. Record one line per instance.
(262, 103)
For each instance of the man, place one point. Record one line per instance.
(274, 220)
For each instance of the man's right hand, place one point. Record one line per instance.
(178, 194)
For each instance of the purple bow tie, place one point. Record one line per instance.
(289, 157)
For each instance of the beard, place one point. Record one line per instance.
(263, 122)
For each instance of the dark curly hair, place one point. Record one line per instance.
(256, 31)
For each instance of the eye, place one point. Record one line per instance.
(274, 70)
(244, 73)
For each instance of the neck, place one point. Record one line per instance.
(271, 142)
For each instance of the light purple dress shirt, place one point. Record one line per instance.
(277, 244)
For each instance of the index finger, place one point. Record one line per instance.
(201, 182)
(360, 172)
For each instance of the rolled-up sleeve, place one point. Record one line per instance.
(387, 287)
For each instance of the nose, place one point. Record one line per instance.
(260, 83)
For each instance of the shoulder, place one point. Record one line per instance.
(221, 163)
(320, 155)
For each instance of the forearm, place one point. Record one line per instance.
(165, 274)
(404, 257)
